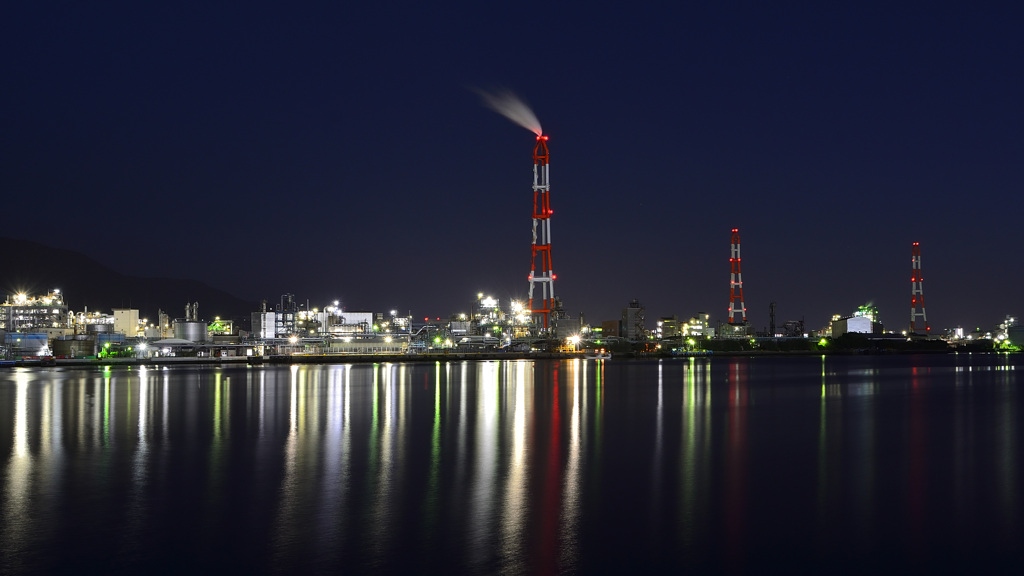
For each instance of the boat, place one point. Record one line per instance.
(597, 355)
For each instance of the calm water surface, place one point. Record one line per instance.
(853, 464)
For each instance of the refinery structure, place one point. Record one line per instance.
(35, 327)
(43, 327)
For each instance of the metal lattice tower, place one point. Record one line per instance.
(736, 306)
(917, 293)
(544, 276)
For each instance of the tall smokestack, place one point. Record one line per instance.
(542, 275)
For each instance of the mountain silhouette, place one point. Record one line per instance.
(35, 269)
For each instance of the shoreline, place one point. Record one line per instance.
(280, 360)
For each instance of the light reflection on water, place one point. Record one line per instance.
(514, 466)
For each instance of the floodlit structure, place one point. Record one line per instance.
(863, 321)
(542, 275)
(24, 313)
(917, 294)
(736, 305)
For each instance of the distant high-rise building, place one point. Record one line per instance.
(632, 323)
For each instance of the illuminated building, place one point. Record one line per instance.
(863, 321)
(490, 320)
(94, 323)
(23, 313)
(699, 326)
(126, 321)
(669, 327)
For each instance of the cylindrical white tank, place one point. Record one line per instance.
(190, 330)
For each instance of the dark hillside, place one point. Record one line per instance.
(36, 269)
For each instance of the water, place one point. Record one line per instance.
(847, 465)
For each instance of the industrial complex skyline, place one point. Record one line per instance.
(342, 152)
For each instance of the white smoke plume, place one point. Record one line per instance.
(506, 103)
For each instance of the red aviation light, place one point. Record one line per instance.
(541, 137)
(735, 229)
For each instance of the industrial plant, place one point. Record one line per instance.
(42, 328)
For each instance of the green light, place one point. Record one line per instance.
(823, 342)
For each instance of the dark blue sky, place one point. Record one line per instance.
(338, 151)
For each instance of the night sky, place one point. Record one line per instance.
(339, 151)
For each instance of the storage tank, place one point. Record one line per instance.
(99, 328)
(78, 347)
(190, 330)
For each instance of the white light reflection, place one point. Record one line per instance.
(1008, 486)
(262, 404)
(571, 484)
(292, 488)
(460, 450)
(381, 515)
(16, 500)
(514, 513)
(51, 447)
(432, 500)
(696, 436)
(482, 491)
(140, 462)
(166, 389)
(659, 418)
(334, 447)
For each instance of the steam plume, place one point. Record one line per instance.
(510, 106)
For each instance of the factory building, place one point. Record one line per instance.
(126, 321)
(29, 323)
(668, 327)
(863, 321)
(699, 326)
(23, 313)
